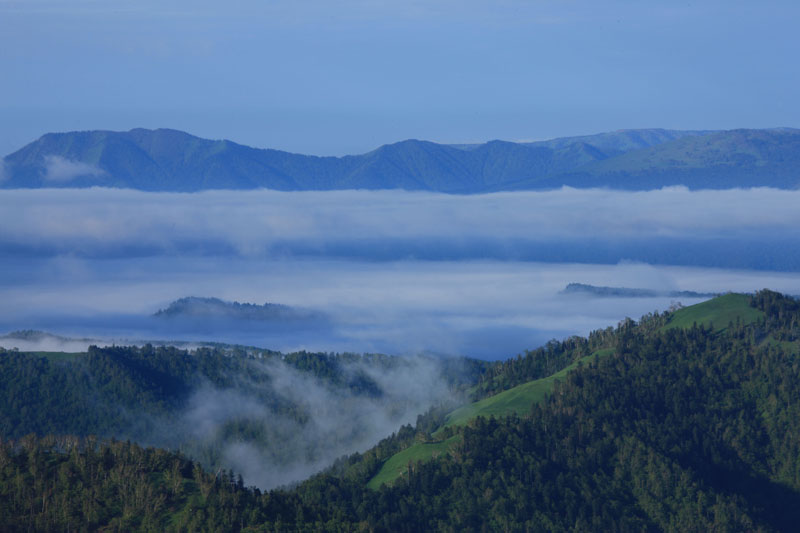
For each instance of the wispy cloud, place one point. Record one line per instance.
(61, 169)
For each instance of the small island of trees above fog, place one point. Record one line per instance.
(170, 160)
(683, 420)
(215, 308)
(625, 292)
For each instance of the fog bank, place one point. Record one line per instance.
(488, 309)
(752, 228)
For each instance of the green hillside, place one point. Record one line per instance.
(668, 379)
(719, 312)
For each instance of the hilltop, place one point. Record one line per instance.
(170, 160)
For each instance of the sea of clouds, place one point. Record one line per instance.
(101, 222)
(393, 271)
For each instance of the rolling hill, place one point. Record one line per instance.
(170, 160)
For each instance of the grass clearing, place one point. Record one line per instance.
(792, 347)
(719, 311)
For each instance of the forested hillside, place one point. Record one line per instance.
(680, 421)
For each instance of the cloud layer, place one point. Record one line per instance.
(733, 228)
(489, 309)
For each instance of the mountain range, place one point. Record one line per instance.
(170, 160)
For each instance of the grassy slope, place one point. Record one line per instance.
(397, 465)
(516, 400)
(719, 311)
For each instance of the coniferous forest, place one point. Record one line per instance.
(671, 423)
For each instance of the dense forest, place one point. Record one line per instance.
(681, 421)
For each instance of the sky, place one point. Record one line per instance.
(332, 78)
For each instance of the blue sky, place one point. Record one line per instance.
(325, 77)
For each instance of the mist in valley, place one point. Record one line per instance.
(244, 429)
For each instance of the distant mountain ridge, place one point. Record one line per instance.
(171, 160)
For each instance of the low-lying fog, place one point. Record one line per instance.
(391, 271)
